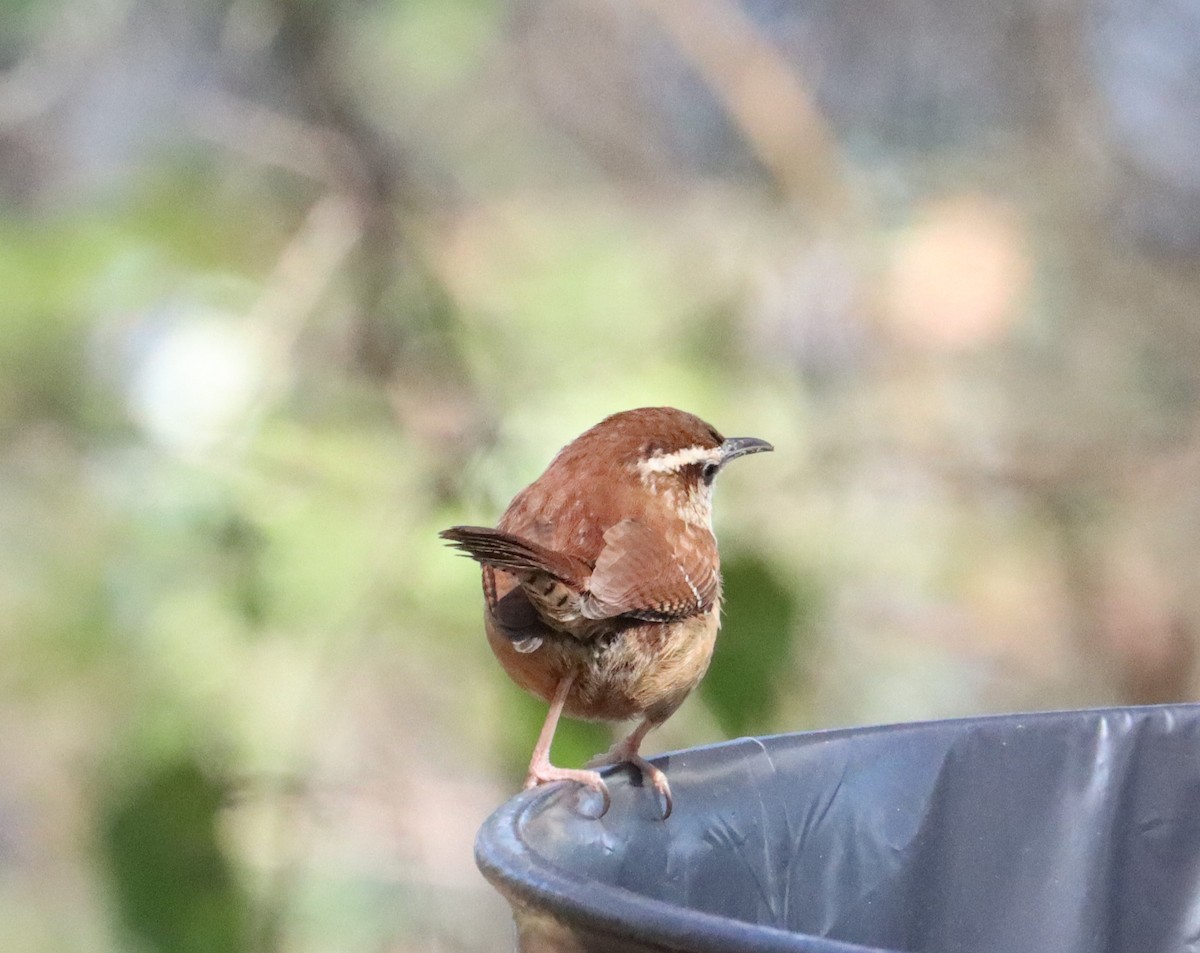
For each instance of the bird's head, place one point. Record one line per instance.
(670, 454)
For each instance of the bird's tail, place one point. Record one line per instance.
(516, 555)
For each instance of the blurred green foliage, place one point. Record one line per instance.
(174, 888)
(766, 626)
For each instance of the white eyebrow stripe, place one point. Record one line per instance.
(670, 462)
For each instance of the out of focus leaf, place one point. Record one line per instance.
(173, 886)
(241, 542)
(761, 619)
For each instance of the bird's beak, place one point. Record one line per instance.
(736, 447)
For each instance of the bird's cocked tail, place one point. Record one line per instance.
(515, 554)
(553, 582)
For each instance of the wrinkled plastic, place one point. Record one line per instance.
(1071, 832)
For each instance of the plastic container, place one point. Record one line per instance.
(1063, 832)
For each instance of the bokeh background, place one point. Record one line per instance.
(286, 286)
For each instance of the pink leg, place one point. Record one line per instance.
(626, 751)
(541, 771)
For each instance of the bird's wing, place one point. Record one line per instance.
(640, 574)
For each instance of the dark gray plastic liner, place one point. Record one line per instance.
(1062, 832)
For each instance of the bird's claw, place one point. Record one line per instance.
(618, 755)
(590, 779)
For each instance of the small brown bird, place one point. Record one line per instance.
(602, 582)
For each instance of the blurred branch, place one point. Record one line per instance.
(1133, 640)
(307, 265)
(763, 96)
(1113, 464)
(304, 270)
(59, 62)
(376, 169)
(267, 136)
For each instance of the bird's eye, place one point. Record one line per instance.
(709, 472)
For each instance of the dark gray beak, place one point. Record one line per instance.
(736, 447)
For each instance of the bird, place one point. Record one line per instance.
(602, 582)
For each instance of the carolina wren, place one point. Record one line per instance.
(602, 582)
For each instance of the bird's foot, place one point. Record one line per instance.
(620, 753)
(545, 773)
